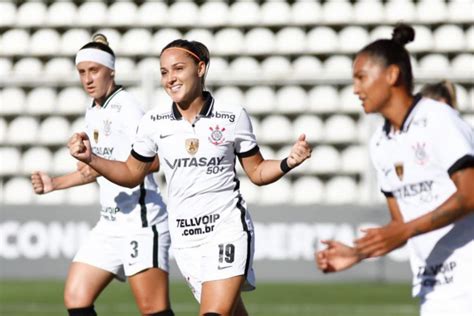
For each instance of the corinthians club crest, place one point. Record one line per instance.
(107, 127)
(192, 145)
(217, 137)
(421, 157)
(399, 170)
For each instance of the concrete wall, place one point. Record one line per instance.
(39, 241)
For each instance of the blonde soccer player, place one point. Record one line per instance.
(131, 238)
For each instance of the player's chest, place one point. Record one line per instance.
(407, 158)
(204, 138)
(104, 127)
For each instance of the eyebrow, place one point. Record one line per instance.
(175, 64)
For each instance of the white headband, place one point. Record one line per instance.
(97, 56)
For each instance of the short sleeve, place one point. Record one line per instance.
(245, 142)
(133, 116)
(453, 140)
(144, 147)
(376, 155)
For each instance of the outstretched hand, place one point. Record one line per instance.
(80, 147)
(299, 152)
(336, 257)
(380, 241)
(41, 182)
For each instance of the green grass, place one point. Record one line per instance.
(25, 298)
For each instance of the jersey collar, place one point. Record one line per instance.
(387, 127)
(109, 97)
(206, 110)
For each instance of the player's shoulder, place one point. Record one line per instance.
(438, 114)
(124, 101)
(435, 109)
(377, 136)
(225, 110)
(159, 114)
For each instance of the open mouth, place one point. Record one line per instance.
(175, 88)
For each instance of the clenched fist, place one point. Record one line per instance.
(80, 147)
(41, 182)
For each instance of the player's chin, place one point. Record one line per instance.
(367, 109)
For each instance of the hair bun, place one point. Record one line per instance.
(100, 38)
(403, 34)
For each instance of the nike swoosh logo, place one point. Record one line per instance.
(164, 136)
(222, 268)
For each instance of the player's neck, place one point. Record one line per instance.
(190, 110)
(100, 101)
(397, 108)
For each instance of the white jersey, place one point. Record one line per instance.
(198, 160)
(414, 166)
(111, 129)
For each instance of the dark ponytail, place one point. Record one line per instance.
(392, 52)
(403, 34)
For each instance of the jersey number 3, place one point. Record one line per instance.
(134, 245)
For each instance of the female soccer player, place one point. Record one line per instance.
(443, 91)
(198, 139)
(131, 237)
(424, 157)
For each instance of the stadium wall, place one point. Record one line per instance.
(39, 241)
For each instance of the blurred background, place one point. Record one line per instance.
(288, 62)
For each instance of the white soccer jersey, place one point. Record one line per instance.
(198, 160)
(414, 166)
(111, 129)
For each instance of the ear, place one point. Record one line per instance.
(393, 74)
(201, 69)
(112, 73)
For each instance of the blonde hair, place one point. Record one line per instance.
(441, 91)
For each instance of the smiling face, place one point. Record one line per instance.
(372, 83)
(181, 75)
(97, 80)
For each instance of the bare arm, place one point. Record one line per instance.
(460, 204)
(261, 171)
(338, 256)
(155, 165)
(43, 183)
(394, 210)
(380, 241)
(128, 174)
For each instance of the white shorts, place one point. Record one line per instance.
(219, 259)
(126, 254)
(455, 306)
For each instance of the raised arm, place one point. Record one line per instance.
(128, 174)
(43, 183)
(261, 171)
(379, 241)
